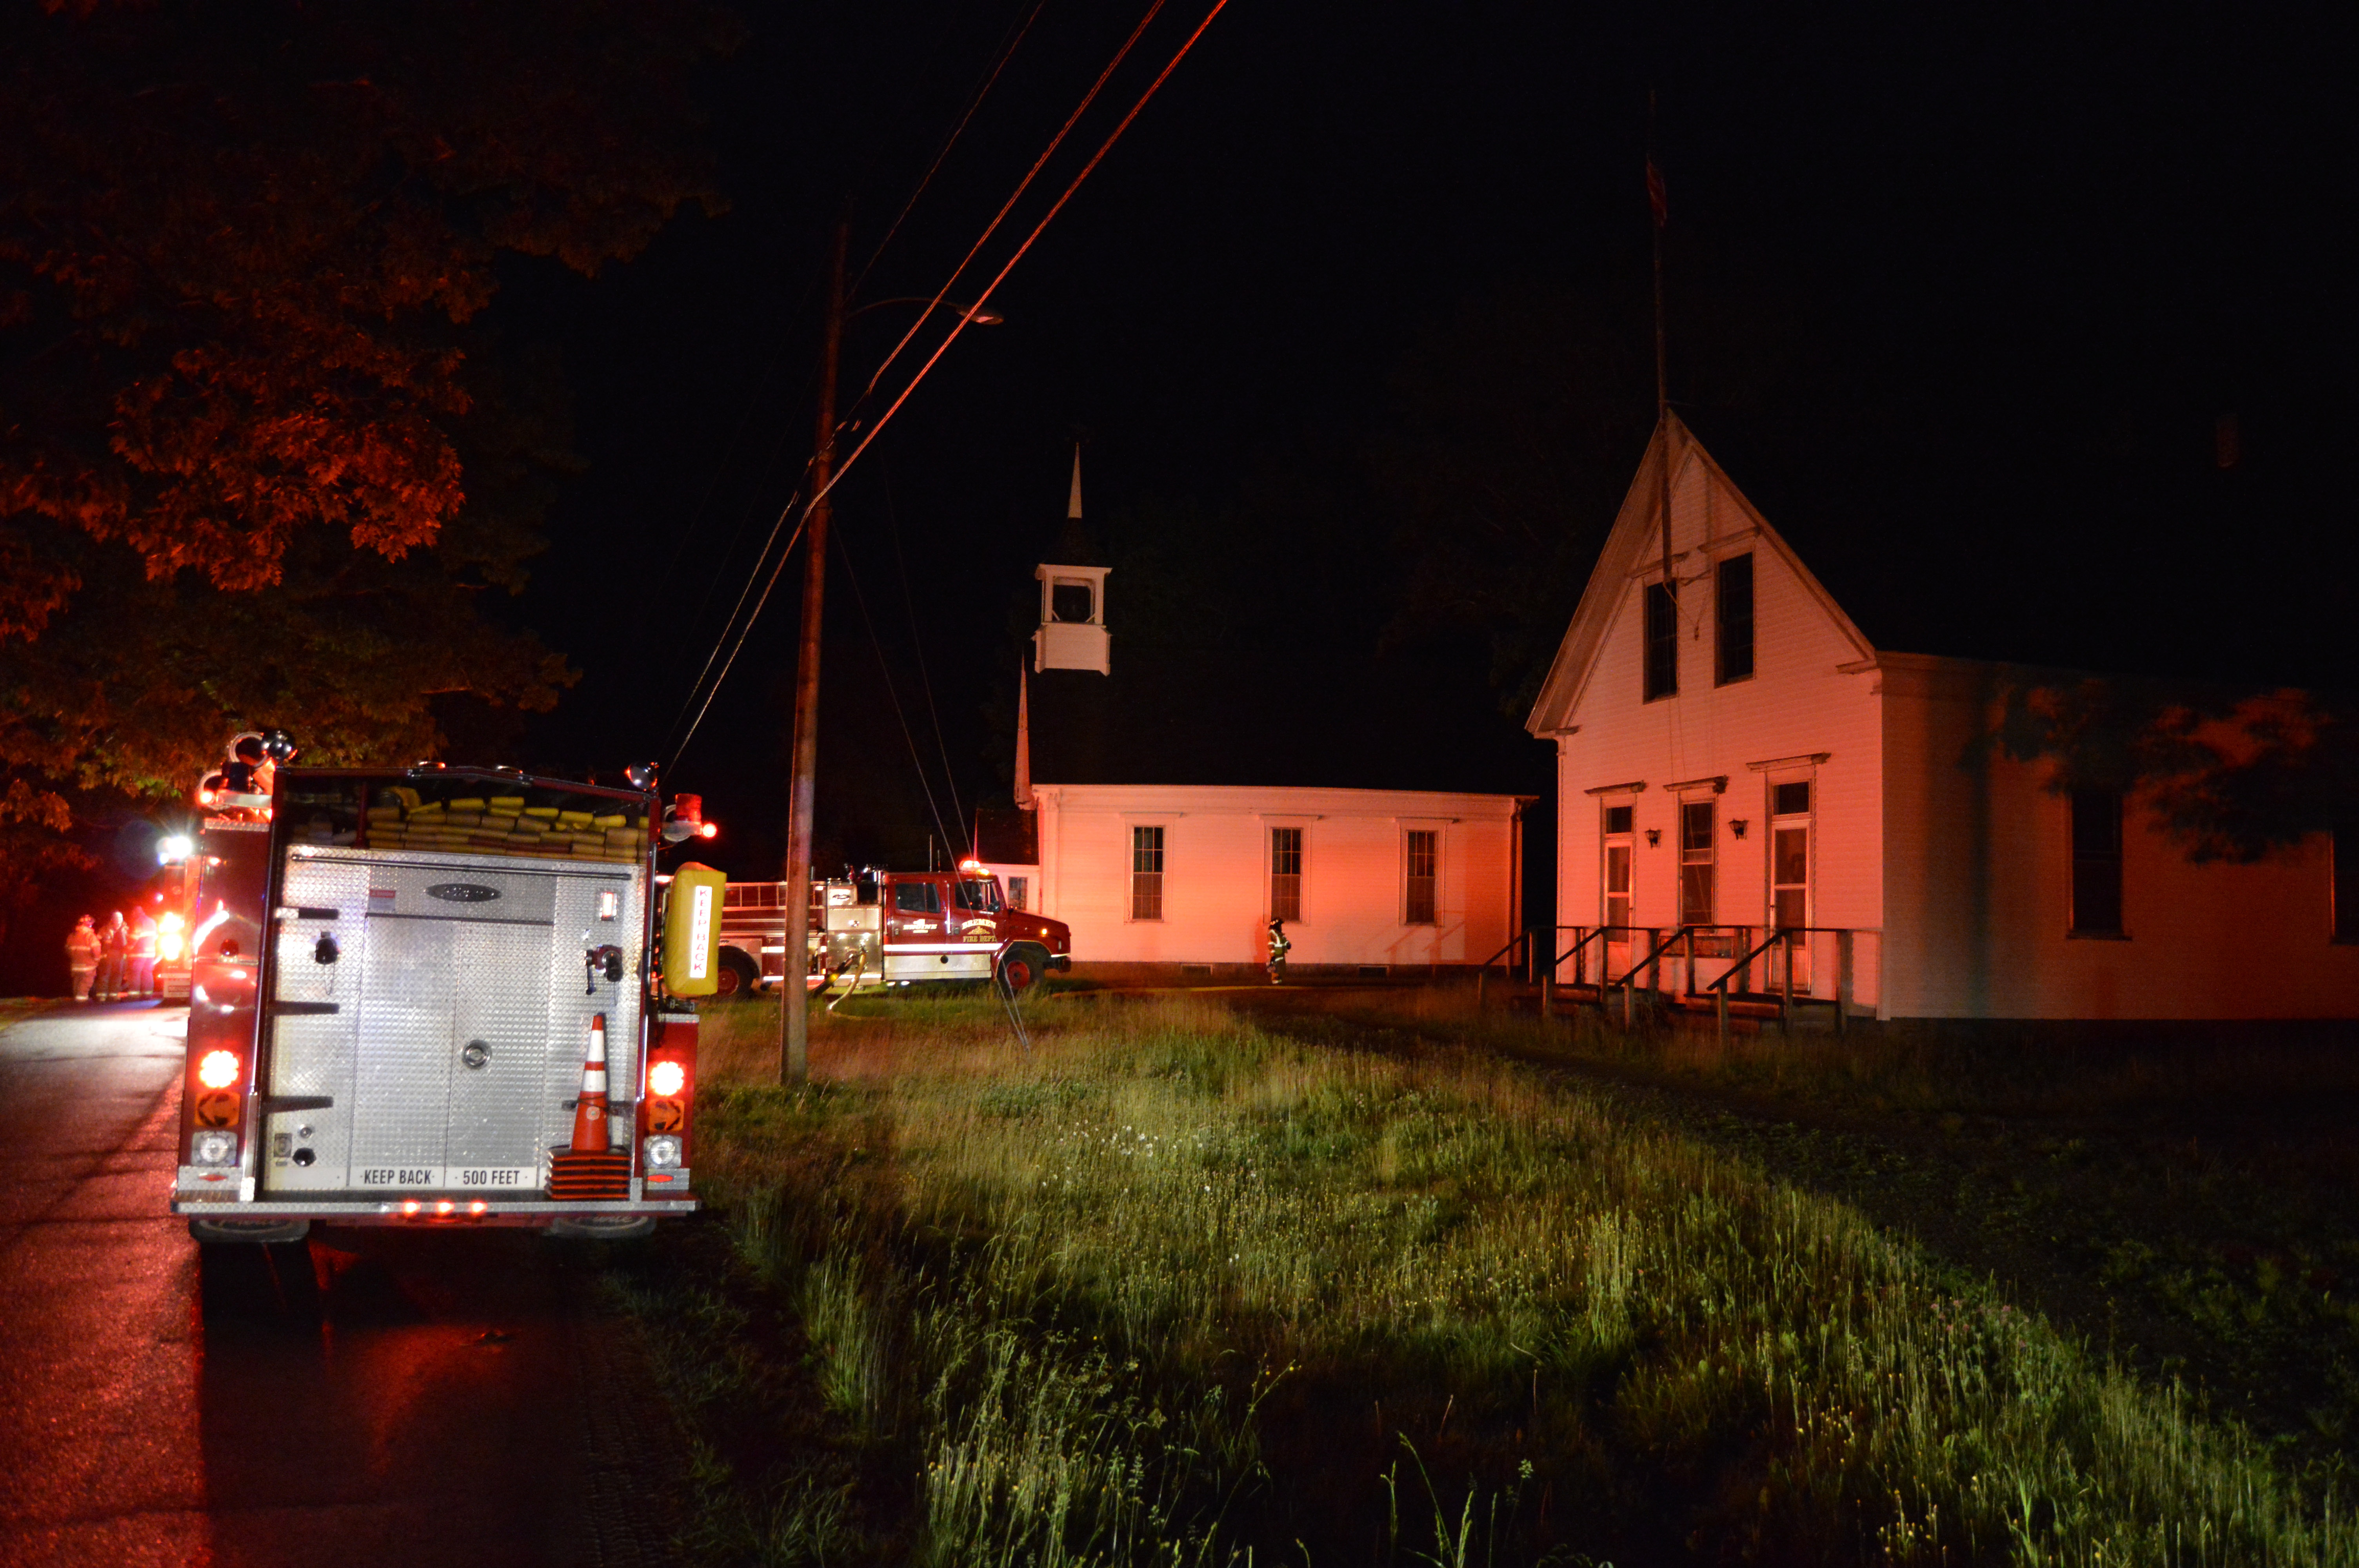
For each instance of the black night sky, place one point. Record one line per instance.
(2031, 329)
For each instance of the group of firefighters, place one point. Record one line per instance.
(113, 962)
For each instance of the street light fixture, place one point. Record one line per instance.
(978, 315)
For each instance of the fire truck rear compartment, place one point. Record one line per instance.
(440, 1051)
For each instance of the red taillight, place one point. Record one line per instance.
(219, 1069)
(409, 1207)
(709, 830)
(479, 1207)
(667, 1078)
(445, 1207)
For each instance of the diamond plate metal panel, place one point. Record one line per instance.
(314, 1055)
(401, 1094)
(439, 953)
(501, 1005)
(585, 920)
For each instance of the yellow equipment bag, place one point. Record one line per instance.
(691, 936)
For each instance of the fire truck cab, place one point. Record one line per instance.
(399, 980)
(893, 928)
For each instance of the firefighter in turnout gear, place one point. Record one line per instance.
(81, 956)
(1278, 949)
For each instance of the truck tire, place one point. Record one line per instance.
(1023, 965)
(247, 1232)
(604, 1227)
(739, 977)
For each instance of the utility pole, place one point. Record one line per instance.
(794, 1013)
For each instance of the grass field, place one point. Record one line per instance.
(2182, 1196)
(1170, 1287)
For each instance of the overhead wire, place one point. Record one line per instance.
(1014, 196)
(1009, 42)
(784, 555)
(1097, 157)
(965, 317)
(934, 808)
(917, 644)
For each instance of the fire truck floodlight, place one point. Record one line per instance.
(173, 848)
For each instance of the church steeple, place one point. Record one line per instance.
(1072, 634)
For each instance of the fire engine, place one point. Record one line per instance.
(169, 898)
(440, 996)
(891, 928)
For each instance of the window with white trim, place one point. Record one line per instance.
(1618, 851)
(1791, 823)
(1422, 860)
(1285, 873)
(1147, 872)
(1697, 867)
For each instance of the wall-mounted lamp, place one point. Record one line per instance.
(1736, 826)
(1654, 837)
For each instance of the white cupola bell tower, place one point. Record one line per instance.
(1072, 634)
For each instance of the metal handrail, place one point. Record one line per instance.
(1670, 936)
(1573, 951)
(1785, 934)
(1508, 948)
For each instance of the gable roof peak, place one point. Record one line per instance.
(1628, 545)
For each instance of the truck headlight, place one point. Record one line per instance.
(213, 1149)
(663, 1152)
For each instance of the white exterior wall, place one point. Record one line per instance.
(1798, 702)
(1952, 860)
(1216, 872)
(1980, 890)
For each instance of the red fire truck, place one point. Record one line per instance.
(891, 928)
(400, 978)
(171, 901)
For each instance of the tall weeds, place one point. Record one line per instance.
(1168, 1289)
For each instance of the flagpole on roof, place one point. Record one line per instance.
(1659, 208)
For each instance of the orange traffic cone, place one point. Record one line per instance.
(589, 1110)
(591, 1169)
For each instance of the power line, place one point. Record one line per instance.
(1038, 229)
(1009, 43)
(917, 643)
(932, 808)
(1014, 196)
(784, 555)
(923, 370)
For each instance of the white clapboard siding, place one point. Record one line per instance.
(1216, 872)
(1952, 860)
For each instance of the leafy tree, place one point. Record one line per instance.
(259, 459)
(2232, 773)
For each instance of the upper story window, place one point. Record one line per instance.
(2096, 862)
(1662, 642)
(1733, 616)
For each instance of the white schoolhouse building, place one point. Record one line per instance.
(1735, 757)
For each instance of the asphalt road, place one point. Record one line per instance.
(372, 1397)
